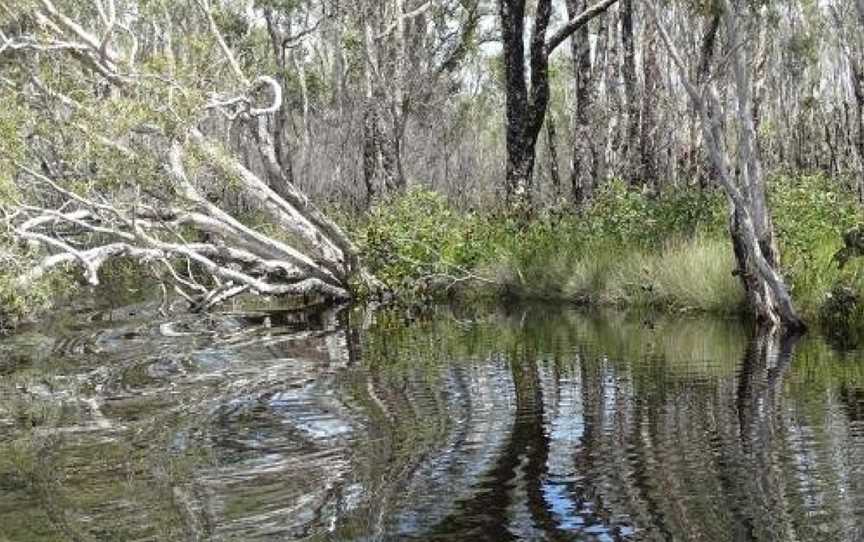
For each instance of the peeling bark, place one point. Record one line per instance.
(751, 229)
(179, 231)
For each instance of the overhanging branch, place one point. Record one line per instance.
(576, 23)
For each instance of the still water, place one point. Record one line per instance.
(521, 424)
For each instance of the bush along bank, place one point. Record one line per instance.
(17, 303)
(669, 252)
(626, 249)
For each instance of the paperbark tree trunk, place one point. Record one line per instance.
(702, 164)
(380, 173)
(552, 147)
(649, 128)
(283, 150)
(628, 74)
(751, 228)
(589, 138)
(580, 51)
(856, 75)
(216, 256)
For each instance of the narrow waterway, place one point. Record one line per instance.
(532, 423)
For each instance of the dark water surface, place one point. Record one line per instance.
(532, 424)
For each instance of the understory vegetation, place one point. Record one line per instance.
(15, 302)
(627, 249)
(197, 143)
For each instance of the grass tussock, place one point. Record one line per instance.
(684, 274)
(698, 272)
(671, 252)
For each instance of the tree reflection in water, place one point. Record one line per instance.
(537, 424)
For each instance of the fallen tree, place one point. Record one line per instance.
(119, 151)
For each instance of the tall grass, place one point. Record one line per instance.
(625, 249)
(687, 273)
(696, 273)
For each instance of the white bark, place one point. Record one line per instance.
(772, 300)
(225, 257)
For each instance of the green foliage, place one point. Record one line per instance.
(12, 118)
(623, 215)
(617, 251)
(416, 238)
(670, 251)
(283, 6)
(811, 214)
(17, 303)
(685, 273)
(802, 51)
(626, 248)
(842, 313)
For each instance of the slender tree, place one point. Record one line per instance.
(751, 227)
(628, 74)
(586, 164)
(527, 101)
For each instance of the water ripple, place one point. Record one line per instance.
(528, 425)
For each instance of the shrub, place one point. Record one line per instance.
(413, 238)
(16, 303)
(811, 214)
(622, 215)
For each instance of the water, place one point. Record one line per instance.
(527, 424)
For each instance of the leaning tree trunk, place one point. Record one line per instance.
(189, 242)
(751, 228)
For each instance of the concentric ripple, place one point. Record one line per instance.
(532, 424)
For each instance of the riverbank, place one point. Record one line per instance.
(627, 249)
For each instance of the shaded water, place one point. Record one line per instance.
(537, 424)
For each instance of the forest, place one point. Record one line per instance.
(459, 270)
(684, 155)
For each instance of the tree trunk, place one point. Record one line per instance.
(649, 129)
(552, 146)
(379, 161)
(282, 147)
(857, 77)
(628, 73)
(701, 163)
(382, 168)
(614, 135)
(601, 117)
(751, 228)
(858, 85)
(580, 51)
(520, 174)
(526, 110)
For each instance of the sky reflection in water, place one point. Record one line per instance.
(532, 423)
